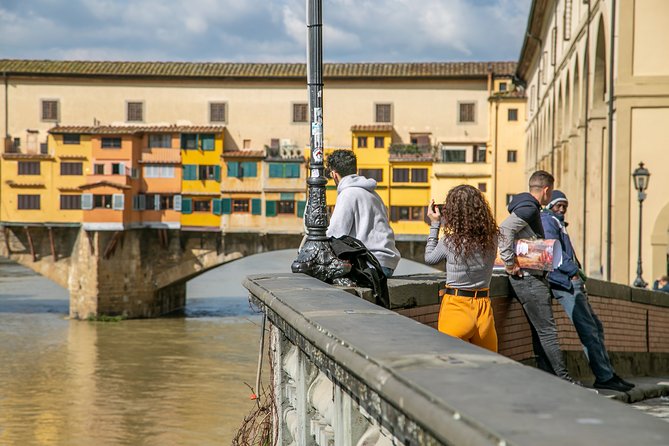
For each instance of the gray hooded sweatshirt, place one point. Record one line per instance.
(360, 213)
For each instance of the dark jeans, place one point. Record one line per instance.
(589, 328)
(535, 297)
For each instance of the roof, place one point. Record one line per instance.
(243, 154)
(226, 70)
(161, 156)
(532, 41)
(372, 128)
(103, 183)
(133, 130)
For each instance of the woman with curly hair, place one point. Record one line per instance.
(469, 247)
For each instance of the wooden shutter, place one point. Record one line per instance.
(217, 172)
(226, 205)
(190, 172)
(270, 208)
(216, 206)
(177, 203)
(276, 170)
(156, 202)
(250, 169)
(233, 169)
(300, 208)
(256, 206)
(118, 202)
(86, 201)
(186, 205)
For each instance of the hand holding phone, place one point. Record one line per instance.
(433, 212)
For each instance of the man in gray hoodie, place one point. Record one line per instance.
(530, 287)
(360, 212)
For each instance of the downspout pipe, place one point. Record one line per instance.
(609, 199)
(4, 75)
(586, 135)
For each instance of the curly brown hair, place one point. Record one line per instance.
(469, 225)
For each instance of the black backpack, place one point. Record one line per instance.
(366, 270)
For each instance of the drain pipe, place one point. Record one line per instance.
(610, 124)
(586, 134)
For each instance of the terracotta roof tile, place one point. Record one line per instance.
(103, 183)
(372, 128)
(134, 130)
(225, 70)
(161, 156)
(244, 154)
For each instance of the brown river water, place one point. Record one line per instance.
(167, 381)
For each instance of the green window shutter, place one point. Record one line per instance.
(226, 205)
(217, 172)
(250, 169)
(300, 208)
(256, 206)
(233, 169)
(190, 172)
(270, 208)
(287, 196)
(275, 170)
(216, 206)
(207, 142)
(186, 205)
(293, 170)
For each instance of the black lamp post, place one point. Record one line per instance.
(316, 257)
(641, 177)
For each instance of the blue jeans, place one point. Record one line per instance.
(589, 328)
(535, 297)
(387, 271)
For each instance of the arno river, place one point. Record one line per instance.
(169, 381)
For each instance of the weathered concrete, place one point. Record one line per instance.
(416, 386)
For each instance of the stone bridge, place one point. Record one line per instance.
(137, 272)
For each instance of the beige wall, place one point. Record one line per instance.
(651, 34)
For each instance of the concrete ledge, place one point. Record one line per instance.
(427, 388)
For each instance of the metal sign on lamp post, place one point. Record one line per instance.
(641, 177)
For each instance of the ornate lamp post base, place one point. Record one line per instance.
(317, 259)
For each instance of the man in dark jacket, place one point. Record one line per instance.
(568, 288)
(530, 287)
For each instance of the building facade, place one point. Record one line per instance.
(598, 103)
(211, 146)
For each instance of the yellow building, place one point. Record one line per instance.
(242, 190)
(201, 206)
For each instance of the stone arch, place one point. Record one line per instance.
(659, 242)
(599, 86)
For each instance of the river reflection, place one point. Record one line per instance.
(169, 381)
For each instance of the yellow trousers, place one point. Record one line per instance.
(470, 319)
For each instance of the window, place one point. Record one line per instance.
(72, 139)
(68, 202)
(71, 168)
(246, 144)
(166, 201)
(99, 169)
(118, 169)
(467, 112)
(49, 110)
(502, 86)
(378, 142)
(383, 113)
(189, 141)
(512, 114)
(483, 187)
(453, 155)
(207, 172)
(217, 111)
(284, 170)
(111, 143)
(300, 113)
(401, 175)
(246, 169)
(512, 156)
(102, 201)
(135, 112)
(158, 171)
(419, 175)
(240, 206)
(566, 20)
(285, 207)
(376, 174)
(202, 205)
(29, 201)
(362, 142)
(29, 167)
(480, 153)
(160, 140)
(407, 213)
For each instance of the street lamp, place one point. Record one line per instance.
(316, 257)
(641, 177)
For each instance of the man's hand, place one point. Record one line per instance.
(513, 270)
(433, 212)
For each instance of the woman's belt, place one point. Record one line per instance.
(481, 292)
